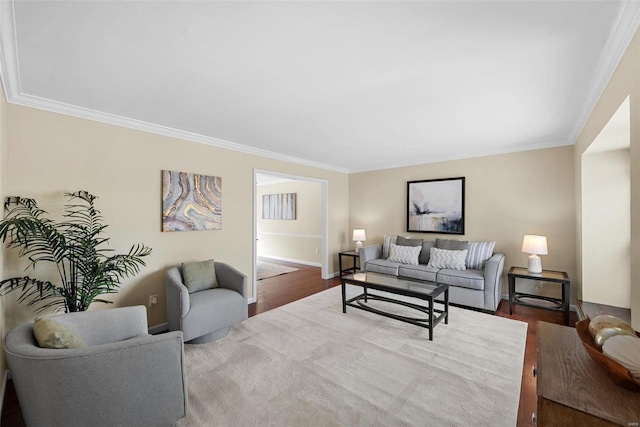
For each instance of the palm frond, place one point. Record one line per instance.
(75, 246)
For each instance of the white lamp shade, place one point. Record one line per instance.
(533, 244)
(359, 235)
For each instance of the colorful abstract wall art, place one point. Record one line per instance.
(279, 206)
(191, 201)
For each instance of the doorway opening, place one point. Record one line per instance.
(606, 214)
(302, 240)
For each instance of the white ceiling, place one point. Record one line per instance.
(347, 86)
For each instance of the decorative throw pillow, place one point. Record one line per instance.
(388, 240)
(52, 334)
(404, 254)
(199, 275)
(479, 253)
(443, 258)
(425, 253)
(452, 245)
(403, 241)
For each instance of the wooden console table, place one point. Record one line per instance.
(572, 388)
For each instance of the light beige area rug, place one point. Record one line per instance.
(308, 364)
(267, 269)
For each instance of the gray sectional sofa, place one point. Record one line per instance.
(479, 288)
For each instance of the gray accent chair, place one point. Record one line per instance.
(124, 376)
(207, 315)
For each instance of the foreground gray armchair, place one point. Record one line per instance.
(124, 376)
(206, 316)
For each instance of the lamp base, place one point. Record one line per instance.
(358, 245)
(535, 264)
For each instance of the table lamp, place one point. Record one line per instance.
(359, 236)
(534, 245)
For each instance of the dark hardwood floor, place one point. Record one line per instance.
(276, 291)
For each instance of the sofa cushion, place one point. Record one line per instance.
(479, 253)
(382, 266)
(404, 241)
(442, 258)
(421, 272)
(388, 240)
(425, 253)
(452, 245)
(471, 279)
(404, 254)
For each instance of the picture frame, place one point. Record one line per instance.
(436, 206)
(279, 206)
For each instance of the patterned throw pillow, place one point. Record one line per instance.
(442, 258)
(388, 240)
(404, 254)
(479, 253)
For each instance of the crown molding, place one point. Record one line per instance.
(622, 32)
(112, 119)
(471, 154)
(9, 65)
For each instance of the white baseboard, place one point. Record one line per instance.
(297, 261)
(251, 300)
(162, 327)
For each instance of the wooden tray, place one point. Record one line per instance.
(618, 373)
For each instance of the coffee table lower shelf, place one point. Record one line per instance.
(426, 291)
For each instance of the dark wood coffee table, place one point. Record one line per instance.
(420, 289)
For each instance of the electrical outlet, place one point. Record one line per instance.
(317, 251)
(153, 300)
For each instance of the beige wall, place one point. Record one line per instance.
(298, 239)
(606, 205)
(507, 196)
(624, 82)
(3, 129)
(52, 153)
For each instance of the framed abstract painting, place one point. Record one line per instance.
(191, 201)
(436, 206)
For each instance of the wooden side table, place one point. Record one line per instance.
(355, 256)
(555, 304)
(572, 389)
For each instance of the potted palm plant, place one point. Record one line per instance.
(75, 246)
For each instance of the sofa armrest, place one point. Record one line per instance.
(61, 387)
(369, 253)
(493, 281)
(230, 278)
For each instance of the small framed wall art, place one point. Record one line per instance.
(279, 206)
(436, 206)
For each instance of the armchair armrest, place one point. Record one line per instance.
(178, 304)
(368, 253)
(230, 278)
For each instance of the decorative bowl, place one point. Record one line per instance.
(618, 373)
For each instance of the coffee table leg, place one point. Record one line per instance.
(446, 307)
(431, 319)
(344, 298)
(365, 294)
